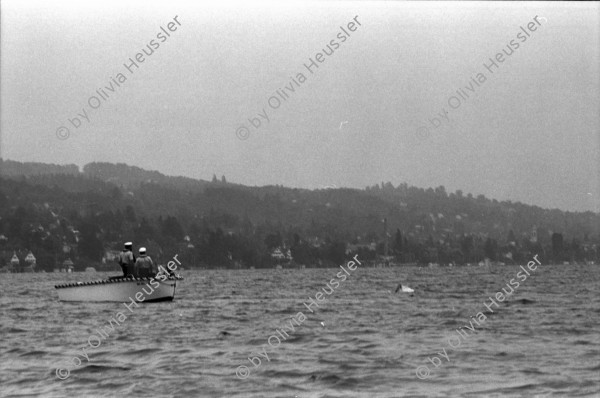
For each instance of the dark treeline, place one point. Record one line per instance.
(58, 212)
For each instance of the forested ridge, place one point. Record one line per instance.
(60, 212)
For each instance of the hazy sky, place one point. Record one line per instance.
(527, 130)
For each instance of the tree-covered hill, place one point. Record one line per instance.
(59, 212)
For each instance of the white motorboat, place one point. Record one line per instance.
(120, 289)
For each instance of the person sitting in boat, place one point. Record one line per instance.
(127, 259)
(144, 267)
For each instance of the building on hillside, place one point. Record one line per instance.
(533, 237)
(110, 256)
(30, 262)
(67, 266)
(282, 255)
(315, 241)
(354, 248)
(277, 254)
(15, 263)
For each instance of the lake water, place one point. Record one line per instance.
(362, 341)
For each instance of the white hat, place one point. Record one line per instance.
(142, 250)
(128, 244)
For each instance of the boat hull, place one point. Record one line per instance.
(121, 290)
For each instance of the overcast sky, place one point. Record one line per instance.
(526, 130)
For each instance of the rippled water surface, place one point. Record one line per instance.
(362, 341)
